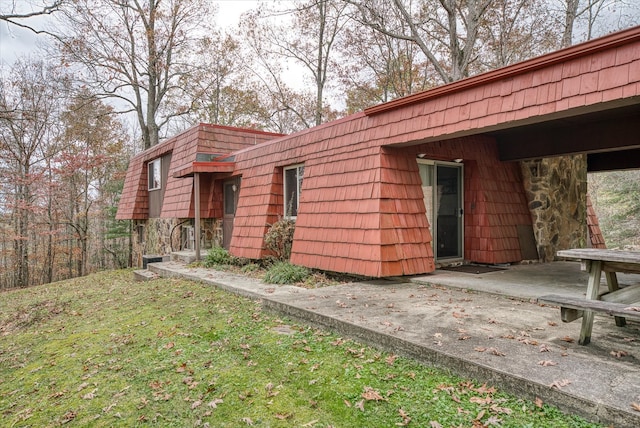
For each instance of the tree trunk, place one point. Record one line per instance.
(569, 20)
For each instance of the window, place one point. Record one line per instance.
(154, 174)
(292, 187)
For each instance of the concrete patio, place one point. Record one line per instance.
(484, 326)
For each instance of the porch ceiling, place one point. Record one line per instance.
(609, 137)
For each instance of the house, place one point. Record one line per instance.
(158, 193)
(491, 169)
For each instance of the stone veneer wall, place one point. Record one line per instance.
(161, 236)
(557, 195)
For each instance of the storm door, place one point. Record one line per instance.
(442, 184)
(231, 191)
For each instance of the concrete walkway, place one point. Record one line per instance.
(482, 326)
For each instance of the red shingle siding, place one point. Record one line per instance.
(494, 198)
(525, 91)
(595, 234)
(360, 210)
(361, 206)
(134, 201)
(178, 196)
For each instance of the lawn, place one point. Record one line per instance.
(104, 350)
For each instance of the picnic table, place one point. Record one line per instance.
(619, 302)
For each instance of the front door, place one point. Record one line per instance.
(231, 191)
(442, 186)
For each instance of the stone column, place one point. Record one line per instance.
(557, 192)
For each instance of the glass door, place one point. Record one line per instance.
(442, 184)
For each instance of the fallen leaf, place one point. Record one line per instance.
(311, 423)
(405, 418)
(633, 308)
(391, 359)
(247, 421)
(560, 383)
(69, 416)
(544, 348)
(214, 403)
(195, 404)
(547, 363)
(539, 402)
(479, 349)
(371, 394)
(435, 424)
(496, 352)
(568, 339)
(552, 323)
(360, 405)
(493, 420)
(497, 409)
(283, 416)
(347, 403)
(480, 400)
(619, 354)
(169, 345)
(635, 406)
(464, 337)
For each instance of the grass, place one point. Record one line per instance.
(103, 350)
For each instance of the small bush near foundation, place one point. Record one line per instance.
(217, 256)
(279, 238)
(251, 267)
(286, 273)
(239, 261)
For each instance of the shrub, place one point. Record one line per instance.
(217, 256)
(286, 273)
(251, 267)
(279, 238)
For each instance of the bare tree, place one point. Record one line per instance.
(375, 68)
(515, 30)
(134, 52)
(305, 37)
(18, 17)
(28, 118)
(92, 141)
(221, 88)
(446, 31)
(584, 15)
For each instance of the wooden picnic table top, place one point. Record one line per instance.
(632, 257)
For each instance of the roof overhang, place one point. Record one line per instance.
(609, 138)
(590, 47)
(204, 167)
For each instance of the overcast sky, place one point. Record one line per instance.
(16, 41)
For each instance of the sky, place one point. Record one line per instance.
(16, 41)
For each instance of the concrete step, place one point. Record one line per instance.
(184, 256)
(144, 275)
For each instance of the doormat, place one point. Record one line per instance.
(472, 269)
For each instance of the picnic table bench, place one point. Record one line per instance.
(622, 303)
